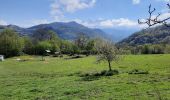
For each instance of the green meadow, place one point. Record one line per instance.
(65, 79)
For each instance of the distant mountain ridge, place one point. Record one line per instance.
(118, 34)
(68, 31)
(155, 35)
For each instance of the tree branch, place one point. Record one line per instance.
(153, 20)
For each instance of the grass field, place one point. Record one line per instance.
(58, 78)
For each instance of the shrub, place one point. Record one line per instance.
(111, 73)
(136, 71)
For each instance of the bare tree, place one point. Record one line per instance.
(153, 19)
(107, 51)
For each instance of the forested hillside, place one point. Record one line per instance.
(156, 35)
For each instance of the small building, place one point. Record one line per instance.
(1, 58)
(48, 51)
(57, 53)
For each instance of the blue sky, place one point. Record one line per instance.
(91, 13)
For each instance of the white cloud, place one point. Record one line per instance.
(40, 21)
(164, 0)
(164, 16)
(136, 1)
(56, 11)
(121, 22)
(2, 22)
(110, 23)
(60, 7)
(74, 5)
(32, 22)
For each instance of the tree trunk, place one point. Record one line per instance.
(43, 58)
(110, 67)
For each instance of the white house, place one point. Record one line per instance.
(1, 58)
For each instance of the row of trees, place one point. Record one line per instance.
(11, 44)
(148, 49)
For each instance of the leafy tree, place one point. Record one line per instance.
(11, 44)
(54, 47)
(29, 46)
(41, 48)
(49, 36)
(66, 47)
(81, 41)
(167, 49)
(107, 51)
(157, 49)
(146, 49)
(90, 49)
(75, 49)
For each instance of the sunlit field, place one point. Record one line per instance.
(60, 78)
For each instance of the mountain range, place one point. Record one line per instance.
(67, 31)
(70, 30)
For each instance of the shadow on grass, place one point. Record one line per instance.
(44, 98)
(74, 57)
(35, 90)
(136, 71)
(90, 78)
(97, 75)
(38, 75)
